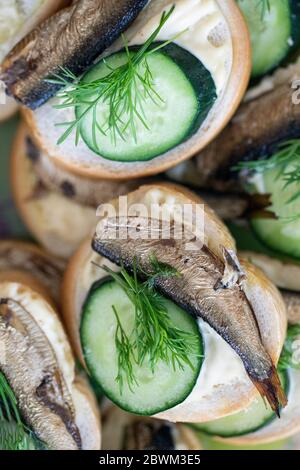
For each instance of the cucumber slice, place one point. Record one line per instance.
(283, 234)
(259, 414)
(211, 443)
(156, 391)
(188, 93)
(271, 32)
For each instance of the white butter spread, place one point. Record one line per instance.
(221, 365)
(202, 30)
(13, 15)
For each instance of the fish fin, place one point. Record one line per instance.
(272, 390)
(233, 273)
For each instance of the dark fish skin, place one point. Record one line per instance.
(255, 132)
(31, 368)
(73, 38)
(198, 290)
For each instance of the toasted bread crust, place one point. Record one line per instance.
(223, 111)
(76, 286)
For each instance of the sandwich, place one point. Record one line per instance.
(146, 315)
(45, 404)
(152, 83)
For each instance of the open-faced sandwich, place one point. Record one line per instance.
(182, 316)
(17, 19)
(133, 104)
(44, 403)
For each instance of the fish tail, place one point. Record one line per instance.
(271, 389)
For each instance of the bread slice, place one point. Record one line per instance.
(56, 221)
(87, 416)
(228, 397)
(81, 160)
(24, 261)
(56, 206)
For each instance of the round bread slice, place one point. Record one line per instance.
(81, 160)
(139, 433)
(85, 191)
(86, 413)
(56, 221)
(56, 206)
(26, 262)
(230, 391)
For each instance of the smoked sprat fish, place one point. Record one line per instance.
(32, 370)
(206, 287)
(73, 38)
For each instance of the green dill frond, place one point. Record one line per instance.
(286, 163)
(265, 7)
(126, 356)
(125, 89)
(154, 337)
(14, 434)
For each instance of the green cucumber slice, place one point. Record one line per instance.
(271, 33)
(258, 415)
(282, 234)
(156, 391)
(188, 93)
(211, 443)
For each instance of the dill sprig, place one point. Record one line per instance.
(14, 434)
(265, 7)
(125, 89)
(154, 337)
(290, 356)
(288, 152)
(126, 356)
(286, 160)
